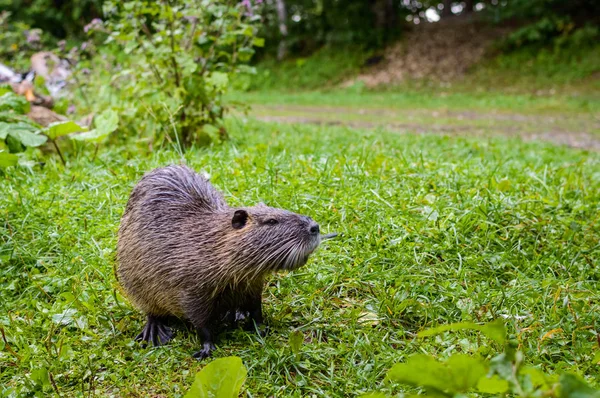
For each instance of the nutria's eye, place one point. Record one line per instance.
(271, 221)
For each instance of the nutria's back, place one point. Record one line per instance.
(178, 188)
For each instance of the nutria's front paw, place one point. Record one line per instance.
(205, 352)
(241, 316)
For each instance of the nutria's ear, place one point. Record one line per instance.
(239, 219)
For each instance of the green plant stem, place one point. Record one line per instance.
(188, 45)
(95, 152)
(53, 382)
(81, 91)
(149, 37)
(173, 60)
(62, 159)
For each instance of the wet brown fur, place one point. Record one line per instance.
(182, 251)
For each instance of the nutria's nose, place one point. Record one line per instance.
(313, 228)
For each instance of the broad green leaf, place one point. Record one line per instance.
(58, 129)
(502, 365)
(459, 374)
(5, 88)
(219, 80)
(221, 378)
(572, 386)
(40, 377)
(596, 359)
(210, 130)
(6, 128)
(421, 370)
(27, 138)
(296, 339)
(245, 53)
(449, 327)
(251, 70)
(8, 159)
(107, 121)
(258, 42)
(495, 330)
(247, 31)
(466, 371)
(493, 385)
(90, 136)
(13, 102)
(66, 317)
(374, 395)
(537, 377)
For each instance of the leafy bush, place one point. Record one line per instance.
(174, 61)
(506, 373)
(558, 30)
(18, 41)
(549, 22)
(18, 132)
(460, 374)
(59, 18)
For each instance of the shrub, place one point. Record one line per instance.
(171, 63)
(17, 131)
(18, 41)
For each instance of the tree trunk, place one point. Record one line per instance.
(447, 11)
(385, 17)
(469, 6)
(283, 30)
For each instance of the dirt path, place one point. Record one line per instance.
(573, 130)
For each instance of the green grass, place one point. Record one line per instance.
(429, 98)
(537, 80)
(434, 230)
(568, 68)
(326, 67)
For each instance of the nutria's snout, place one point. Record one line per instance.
(310, 239)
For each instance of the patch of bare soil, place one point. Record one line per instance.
(575, 132)
(442, 51)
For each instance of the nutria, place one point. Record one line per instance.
(183, 252)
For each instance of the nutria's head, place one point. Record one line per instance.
(273, 239)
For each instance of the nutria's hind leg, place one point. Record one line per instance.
(254, 308)
(235, 316)
(155, 332)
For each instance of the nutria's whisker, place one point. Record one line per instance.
(329, 236)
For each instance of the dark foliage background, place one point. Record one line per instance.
(311, 24)
(60, 18)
